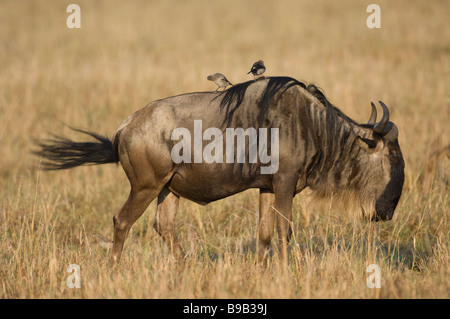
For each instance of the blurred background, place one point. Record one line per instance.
(129, 53)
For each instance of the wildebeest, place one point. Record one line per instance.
(319, 147)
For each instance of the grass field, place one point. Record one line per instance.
(128, 53)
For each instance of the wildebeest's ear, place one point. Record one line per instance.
(365, 143)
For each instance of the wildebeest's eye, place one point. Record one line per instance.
(394, 154)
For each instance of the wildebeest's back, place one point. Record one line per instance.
(147, 135)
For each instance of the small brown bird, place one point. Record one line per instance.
(258, 68)
(220, 80)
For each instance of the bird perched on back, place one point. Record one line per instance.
(220, 80)
(258, 68)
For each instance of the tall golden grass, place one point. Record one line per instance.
(128, 53)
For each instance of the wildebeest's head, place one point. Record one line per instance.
(385, 179)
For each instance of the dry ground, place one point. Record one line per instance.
(128, 53)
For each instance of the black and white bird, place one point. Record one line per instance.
(258, 68)
(220, 80)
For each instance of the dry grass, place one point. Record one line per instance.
(128, 53)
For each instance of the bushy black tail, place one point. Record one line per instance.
(62, 153)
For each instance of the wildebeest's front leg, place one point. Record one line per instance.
(266, 222)
(165, 221)
(284, 189)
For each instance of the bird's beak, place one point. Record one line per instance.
(249, 72)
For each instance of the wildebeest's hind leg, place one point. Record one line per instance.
(134, 207)
(266, 222)
(165, 221)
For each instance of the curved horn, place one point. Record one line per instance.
(381, 126)
(373, 115)
(392, 133)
